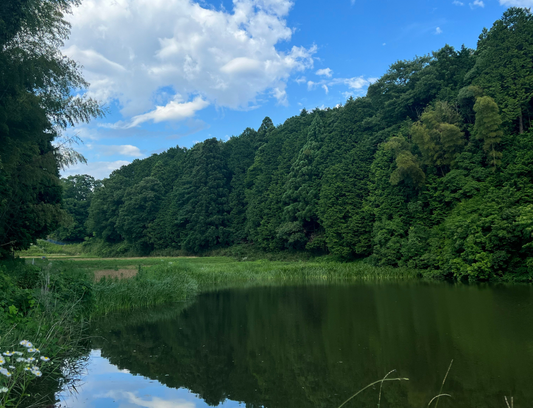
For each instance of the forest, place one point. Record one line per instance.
(432, 169)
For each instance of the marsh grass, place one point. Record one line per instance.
(385, 378)
(209, 275)
(372, 384)
(150, 287)
(160, 281)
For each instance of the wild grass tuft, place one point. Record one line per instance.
(150, 287)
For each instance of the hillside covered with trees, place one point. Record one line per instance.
(432, 169)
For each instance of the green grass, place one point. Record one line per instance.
(170, 280)
(150, 287)
(45, 248)
(164, 280)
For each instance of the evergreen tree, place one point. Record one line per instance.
(302, 189)
(77, 196)
(345, 217)
(138, 210)
(240, 151)
(488, 128)
(504, 64)
(259, 177)
(199, 211)
(105, 207)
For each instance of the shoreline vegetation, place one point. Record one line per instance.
(52, 300)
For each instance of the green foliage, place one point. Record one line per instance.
(503, 66)
(37, 104)
(347, 220)
(438, 135)
(407, 165)
(487, 128)
(151, 286)
(199, 209)
(139, 209)
(396, 175)
(77, 195)
(488, 236)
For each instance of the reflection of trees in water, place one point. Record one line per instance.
(315, 346)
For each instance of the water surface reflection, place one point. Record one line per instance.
(314, 346)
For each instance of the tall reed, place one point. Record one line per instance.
(182, 279)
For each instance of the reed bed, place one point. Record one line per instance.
(150, 287)
(182, 279)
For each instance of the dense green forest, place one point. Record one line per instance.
(431, 169)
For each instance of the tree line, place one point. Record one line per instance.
(432, 169)
(39, 99)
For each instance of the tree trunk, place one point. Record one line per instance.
(520, 123)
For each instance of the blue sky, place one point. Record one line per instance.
(176, 72)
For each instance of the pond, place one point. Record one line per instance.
(315, 346)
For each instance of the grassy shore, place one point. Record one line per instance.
(137, 282)
(48, 300)
(156, 281)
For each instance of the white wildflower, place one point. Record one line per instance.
(5, 372)
(45, 358)
(33, 350)
(3, 390)
(2, 360)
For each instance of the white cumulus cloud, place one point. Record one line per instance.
(354, 84)
(110, 150)
(438, 31)
(477, 3)
(325, 72)
(174, 110)
(458, 3)
(132, 49)
(97, 169)
(517, 3)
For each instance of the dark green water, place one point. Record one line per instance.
(314, 346)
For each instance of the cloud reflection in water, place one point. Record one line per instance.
(104, 385)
